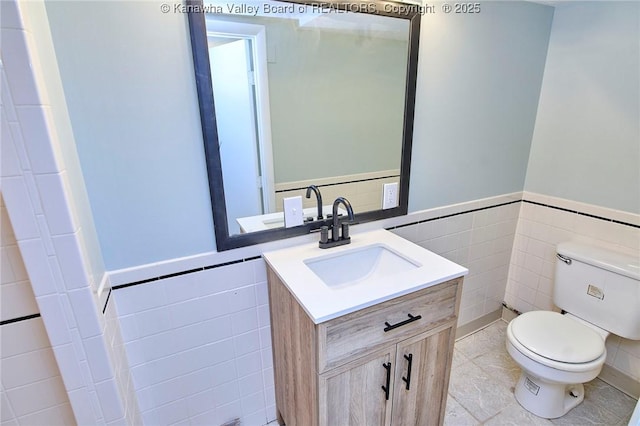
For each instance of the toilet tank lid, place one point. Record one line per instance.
(615, 261)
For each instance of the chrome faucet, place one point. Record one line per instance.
(336, 238)
(318, 198)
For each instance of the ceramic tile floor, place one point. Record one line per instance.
(482, 381)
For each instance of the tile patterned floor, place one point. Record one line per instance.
(482, 381)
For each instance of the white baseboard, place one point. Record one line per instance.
(620, 381)
(477, 324)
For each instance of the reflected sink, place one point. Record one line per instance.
(274, 223)
(354, 266)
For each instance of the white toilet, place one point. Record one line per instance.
(599, 291)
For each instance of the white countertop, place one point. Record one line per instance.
(323, 303)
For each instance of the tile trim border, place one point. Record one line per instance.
(452, 214)
(232, 262)
(177, 274)
(106, 302)
(521, 199)
(593, 216)
(18, 319)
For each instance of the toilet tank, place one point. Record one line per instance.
(600, 286)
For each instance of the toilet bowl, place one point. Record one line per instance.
(599, 291)
(557, 353)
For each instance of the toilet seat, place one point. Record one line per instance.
(557, 341)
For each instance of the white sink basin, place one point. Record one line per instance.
(353, 266)
(376, 266)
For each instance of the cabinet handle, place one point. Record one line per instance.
(387, 366)
(400, 324)
(407, 379)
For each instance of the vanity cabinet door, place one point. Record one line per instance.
(353, 395)
(424, 363)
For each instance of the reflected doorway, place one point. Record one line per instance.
(237, 55)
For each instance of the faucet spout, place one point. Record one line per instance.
(337, 239)
(318, 198)
(335, 233)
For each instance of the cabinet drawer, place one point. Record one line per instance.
(345, 338)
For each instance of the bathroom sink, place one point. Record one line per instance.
(377, 266)
(353, 266)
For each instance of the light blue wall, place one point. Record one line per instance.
(41, 33)
(128, 79)
(586, 144)
(479, 78)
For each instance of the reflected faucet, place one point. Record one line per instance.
(318, 198)
(336, 238)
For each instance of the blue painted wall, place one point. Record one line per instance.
(586, 144)
(128, 80)
(478, 87)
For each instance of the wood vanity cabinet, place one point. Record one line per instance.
(350, 371)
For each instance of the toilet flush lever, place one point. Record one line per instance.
(565, 259)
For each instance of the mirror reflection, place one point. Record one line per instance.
(305, 95)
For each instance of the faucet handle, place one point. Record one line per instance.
(345, 230)
(324, 234)
(336, 239)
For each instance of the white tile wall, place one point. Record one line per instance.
(32, 389)
(51, 241)
(531, 275)
(16, 294)
(482, 242)
(199, 346)
(185, 336)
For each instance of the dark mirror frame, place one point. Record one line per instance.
(199, 47)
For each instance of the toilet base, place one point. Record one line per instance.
(547, 400)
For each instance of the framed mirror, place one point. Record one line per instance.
(294, 94)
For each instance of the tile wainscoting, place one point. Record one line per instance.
(197, 337)
(198, 340)
(199, 345)
(32, 389)
(479, 238)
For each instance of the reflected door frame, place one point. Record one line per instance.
(257, 35)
